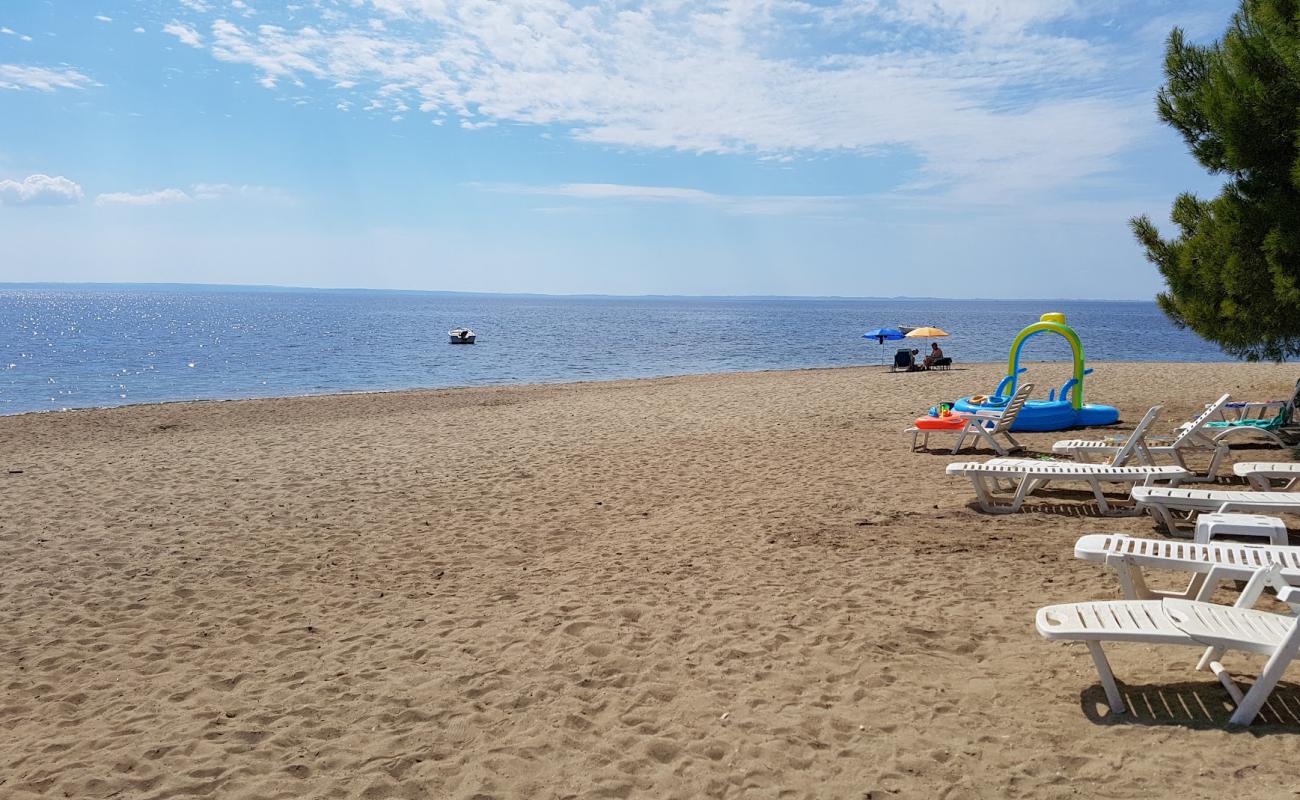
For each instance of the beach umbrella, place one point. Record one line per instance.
(883, 335)
(925, 333)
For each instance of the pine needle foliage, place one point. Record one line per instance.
(1233, 272)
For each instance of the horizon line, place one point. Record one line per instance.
(571, 295)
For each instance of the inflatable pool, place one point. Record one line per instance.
(1045, 415)
(1061, 410)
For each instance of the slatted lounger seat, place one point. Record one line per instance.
(1024, 476)
(1164, 502)
(1210, 563)
(1191, 438)
(1189, 623)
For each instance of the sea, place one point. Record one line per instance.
(81, 346)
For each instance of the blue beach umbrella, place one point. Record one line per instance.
(883, 335)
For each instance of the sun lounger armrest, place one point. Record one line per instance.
(1290, 595)
(1264, 576)
(1221, 573)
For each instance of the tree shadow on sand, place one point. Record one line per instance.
(1197, 705)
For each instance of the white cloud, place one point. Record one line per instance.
(756, 205)
(162, 197)
(185, 33)
(196, 5)
(103, 18)
(990, 96)
(137, 29)
(197, 192)
(40, 190)
(41, 79)
(222, 191)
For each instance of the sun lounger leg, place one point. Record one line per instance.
(1133, 585)
(988, 437)
(1209, 658)
(1234, 691)
(1254, 700)
(982, 493)
(1026, 486)
(1163, 516)
(1219, 452)
(1102, 505)
(1113, 698)
(1168, 518)
(1015, 445)
(1131, 582)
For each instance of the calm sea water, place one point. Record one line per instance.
(106, 346)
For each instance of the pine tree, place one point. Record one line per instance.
(1233, 272)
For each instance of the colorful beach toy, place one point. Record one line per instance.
(1059, 411)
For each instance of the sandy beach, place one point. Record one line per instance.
(720, 586)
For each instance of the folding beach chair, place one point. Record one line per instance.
(1274, 420)
(1024, 477)
(1172, 505)
(1261, 474)
(1192, 436)
(1192, 623)
(1212, 562)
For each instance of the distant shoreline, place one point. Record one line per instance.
(217, 288)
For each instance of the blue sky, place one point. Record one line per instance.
(879, 147)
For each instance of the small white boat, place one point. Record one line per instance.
(461, 336)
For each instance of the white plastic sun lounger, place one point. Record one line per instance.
(1191, 437)
(1190, 623)
(1261, 474)
(986, 425)
(1025, 476)
(1217, 561)
(1164, 501)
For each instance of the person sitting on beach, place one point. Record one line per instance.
(935, 354)
(915, 367)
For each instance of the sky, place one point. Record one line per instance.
(949, 148)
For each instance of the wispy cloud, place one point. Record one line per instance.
(162, 197)
(988, 96)
(197, 192)
(185, 33)
(103, 18)
(12, 32)
(41, 79)
(40, 190)
(756, 205)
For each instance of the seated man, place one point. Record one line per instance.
(935, 355)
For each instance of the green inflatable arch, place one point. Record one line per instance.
(1049, 323)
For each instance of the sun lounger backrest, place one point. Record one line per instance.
(1193, 430)
(1014, 405)
(1135, 439)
